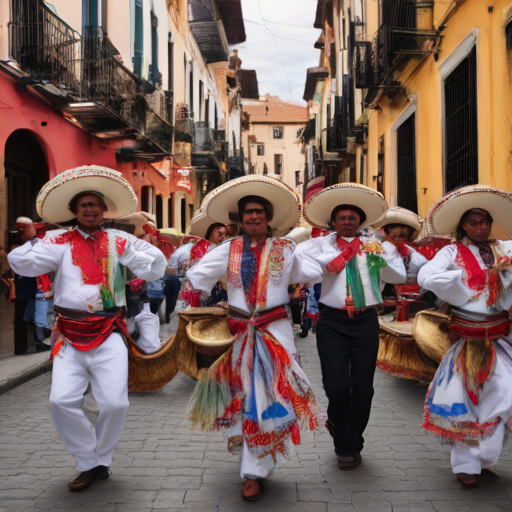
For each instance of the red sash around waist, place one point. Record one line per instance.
(239, 320)
(91, 331)
(491, 328)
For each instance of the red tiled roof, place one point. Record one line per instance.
(273, 111)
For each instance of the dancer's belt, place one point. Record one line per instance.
(86, 331)
(239, 320)
(479, 327)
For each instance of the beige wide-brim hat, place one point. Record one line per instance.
(53, 199)
(223, 201)
(319, 207)
(399, 215)
(170, 231)
(199, 224)
(210, 332)
(444, 216)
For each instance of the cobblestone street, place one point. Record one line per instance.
(161, 464)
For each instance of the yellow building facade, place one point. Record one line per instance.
(425, 87)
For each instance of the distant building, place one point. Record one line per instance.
(272, 142)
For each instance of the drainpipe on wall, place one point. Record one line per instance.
(424, 14)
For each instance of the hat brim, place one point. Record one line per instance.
(53, 199)
(212, 333)
(224, 200)
(444, 216)
(199, 225)
(399, 216)
(319, 207)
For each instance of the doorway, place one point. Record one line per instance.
(26, 171)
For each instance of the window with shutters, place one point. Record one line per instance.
(407, 196)
(260, 148)
(277, 132)
(461, 130)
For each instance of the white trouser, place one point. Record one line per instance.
(495, 400)
(472, 459)
(253, 468)
(106, 369)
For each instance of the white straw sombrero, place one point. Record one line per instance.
(223, 201)
(53, 199)
(444, 216)
(319, 207)
(199, 224)
(398, 215)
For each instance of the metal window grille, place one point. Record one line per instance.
(407, 196)
(277, 132)
(461, 129)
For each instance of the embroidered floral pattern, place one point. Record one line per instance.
(235, 262)
(276, 259)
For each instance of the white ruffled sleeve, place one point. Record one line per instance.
(394, 272)
(443, 277)
(36, 258)
(144, 259)
(206, 272)
(305, 268)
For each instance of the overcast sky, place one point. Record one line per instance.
(259, 51)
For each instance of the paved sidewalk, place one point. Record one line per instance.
(160, 464)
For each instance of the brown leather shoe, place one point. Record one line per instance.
(84, 480)
(103, 472)
(251, 490)
(350, 462)
(468, 481)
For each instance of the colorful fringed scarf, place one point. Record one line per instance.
(375, 263)
(257, 390)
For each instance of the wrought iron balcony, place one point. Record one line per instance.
(365, 69)
(338, 129)
(396, 41)
(93, 86)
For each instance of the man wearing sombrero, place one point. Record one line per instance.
(401, 227)
(257, 391)
(208, 235)
(89, 301)
(470, 399)
(351, 268)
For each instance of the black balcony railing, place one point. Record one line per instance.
(364, 67)
(338, 130)
(396, 41)
(85, 68)
(41, 43)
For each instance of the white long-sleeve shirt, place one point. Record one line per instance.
(204, 274)
(323, 250)
(416, 261)
(444, 277)
(34, 259)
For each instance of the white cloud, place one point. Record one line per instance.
(259, 51)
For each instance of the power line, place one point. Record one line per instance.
(289, 24)
(277, 49)
(278, 23)
(278, 35)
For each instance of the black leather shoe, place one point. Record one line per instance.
(42, 347)
(84, 480)
(103, 472)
